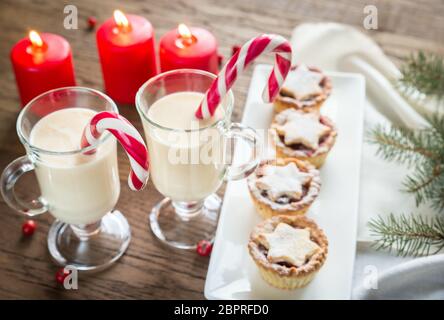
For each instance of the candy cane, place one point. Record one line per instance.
(239, 61)
(129, 138)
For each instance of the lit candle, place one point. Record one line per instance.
(127, 55)
(193, 48)
(41, 62)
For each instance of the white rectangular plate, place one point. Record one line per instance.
(231, 273)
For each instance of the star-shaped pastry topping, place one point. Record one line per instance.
(281, 181)
(304, 83)
(299, 127)
(289, 245)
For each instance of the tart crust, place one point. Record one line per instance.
(267, 207)
(282, 276)
(286, 98)
(316, 157)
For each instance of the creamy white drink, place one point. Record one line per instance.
(78, 188)
(184, 165)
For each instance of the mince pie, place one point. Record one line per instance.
(288, 250)
(284, 186)
(305, 89)
(304, 136)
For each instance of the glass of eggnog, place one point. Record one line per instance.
(190, 158)
(80, 190)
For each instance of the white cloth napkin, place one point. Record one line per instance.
(421, 278)
(332, 46)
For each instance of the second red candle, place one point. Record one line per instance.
(127, 55)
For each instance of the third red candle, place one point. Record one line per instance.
(193, 48)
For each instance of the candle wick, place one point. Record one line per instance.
(122, 29)
(188, 40)
(36, 49)
(125, 28)
(185, 41)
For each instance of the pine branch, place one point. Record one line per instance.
(399, 144)
(427, 183)
(436, 132)
(425, 73)
(421, 150)
(408, 235)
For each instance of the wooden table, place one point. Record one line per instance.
(148, 269)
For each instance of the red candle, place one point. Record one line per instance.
(40, 63)
(194, 48)
(127, 55)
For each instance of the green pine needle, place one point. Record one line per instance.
(425, 73)
(421, 150)
(408, 235)
(397, 144)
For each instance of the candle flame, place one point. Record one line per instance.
(120, 19)
(184, 31)
(35, 39)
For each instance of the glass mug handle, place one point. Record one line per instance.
(9, 177)
(248, 135)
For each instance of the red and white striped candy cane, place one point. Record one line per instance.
(238, 62)
(129, 138)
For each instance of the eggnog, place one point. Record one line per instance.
(184, 152)
(78, 188)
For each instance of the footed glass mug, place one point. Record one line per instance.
(190, 159)
(80, 190)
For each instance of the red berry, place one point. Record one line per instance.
(235, 49)
(204, 248)
(92, 21)
(28, 227)
(61, 275)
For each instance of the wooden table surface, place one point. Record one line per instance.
(148, 269)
